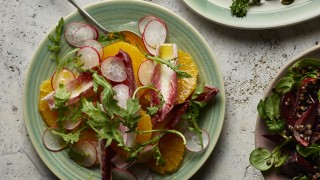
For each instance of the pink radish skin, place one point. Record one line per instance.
(144, 21)
(145, 72)
(120, 162)
(71, 125)
(118, 173)
(77, 33)
(140, 170)
(88, 152)
(150, 49)
(193, 141)
(51, 141)
(64, 76)
(155, 33)
(95, 45)
(122, 95)
(89, 56)
(113, 69)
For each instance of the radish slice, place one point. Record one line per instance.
(139, 170)
(114, 69)
(121, 162)
(84, 153)
(145, 72)
(146, 154)
(95, 45)
(122, 95)
(89, 56)
(77, 33)
(144, 21)
(64, 76)
(129, 139)
(193, 140)
(150, 49)
(120, 174)
(155, 33)
(70, 125)
(51, 141)
(150, 177)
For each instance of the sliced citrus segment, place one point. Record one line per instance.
(144, 124)
(172, 150)
(136, 56)
(186, 85)
(49, 117)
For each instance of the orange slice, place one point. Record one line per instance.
(186, 85)
(136, 56)
(144, 124)
(48, 116)
(172, 149)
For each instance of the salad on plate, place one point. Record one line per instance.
(126, 106)
(291, 115)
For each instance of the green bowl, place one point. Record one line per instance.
(118, 15)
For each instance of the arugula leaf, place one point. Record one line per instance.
(130, 115)
(55, 40)
(96, 114)
(111, 38)
(157, 155)
(61, 97)
(70, 137)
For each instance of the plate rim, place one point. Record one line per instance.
(219, 76)
(247, 22)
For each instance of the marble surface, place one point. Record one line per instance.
(248, 59)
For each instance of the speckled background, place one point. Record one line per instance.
(248, 59)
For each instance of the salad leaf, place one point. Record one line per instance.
(55, 40)
(61, 97)
(269, 110)
(69, 137)
(112, 38)
(284, 85)
(130, 115)
(261, 159)
(307, 151)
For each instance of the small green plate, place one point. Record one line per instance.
(271, 14)
(118, 15)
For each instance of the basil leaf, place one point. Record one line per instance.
(305, 152)
(261, 111)
(280, 157)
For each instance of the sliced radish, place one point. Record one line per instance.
(150, 177)
(113, 69)
(122, 95)
(155, 33)
(95, 45)
(144, 21)
(146, 154)
(70, 125)
(89, 56)
(120, 174)
(77, 33)
(139, 170)
(145, 72)
(64, 76)
(193, 140)
(150, 49)
(51, 141)
(121, 162)
(129, 139)
(84, 153)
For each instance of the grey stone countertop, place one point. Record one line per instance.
(249, 59)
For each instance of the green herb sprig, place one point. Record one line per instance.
(55, 40)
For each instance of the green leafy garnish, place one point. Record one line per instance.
(61, 97)
(55, 40)
(111, 38)
(269, 110)
(263, 160)
(284, 85)
(69, 137)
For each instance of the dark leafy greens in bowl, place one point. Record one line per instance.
(288, 126)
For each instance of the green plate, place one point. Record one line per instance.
(270, 14)
(117, 15)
